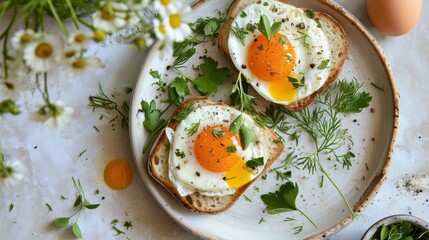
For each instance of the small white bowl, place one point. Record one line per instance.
(420, 223)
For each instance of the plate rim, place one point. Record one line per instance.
(375, 184)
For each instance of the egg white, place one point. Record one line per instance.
(183, 171)
(307, 58)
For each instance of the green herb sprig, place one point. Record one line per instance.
(266, 28)
(81, 203)
(401, 230)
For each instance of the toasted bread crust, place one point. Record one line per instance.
(339, 54)
(158, 167)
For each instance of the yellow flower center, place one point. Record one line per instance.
(79, 64)
(25, 38)
(99, 35)
(139, 42)
(165, 2)
(80, 38)
(106, 15)
(44, 50)
(161, 29)
(175, 20)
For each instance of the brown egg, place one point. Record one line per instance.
(394, 17)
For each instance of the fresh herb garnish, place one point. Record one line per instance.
(295, 82)
(11, 206)
(377, 87)
(104, 102)
(243, 14)
(250, 27)
(81, 203)
(255, 162)
(177, 90)
(247, 136)
(401, 230)
(324, 64)
(283, 39)
(303, 39)
(218, 132)
(309, 13)
(239, 32)
(231, 149)
(283, 200)
(211, 77)
(48, 206)
(193, 129)
(179, 153)
(239, 97)
(266, 28)
(160, 83)
(128, 224)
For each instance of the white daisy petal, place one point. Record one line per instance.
(110, 20)
(60, 117)
(76, 66)
(43, 54)
(22, 38)
(79, 40)
(15, 173)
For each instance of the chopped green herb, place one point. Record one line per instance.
(239, 32)
(193, 129)
(48, 206)
(231, 149)
(289, 219)
(378, 87)
(303, 39)
(97, 191)
(180, 154)
(247, 198)
(243, 14)
(114, 221)
(255, 162)
(402, 230)
(177, 90)
(261, 220)
(118, 231)
(218, 132)
(324, 64)
(128, 224)
(211, 77)
(250, 27)
(80, 154)
(96, 129)
(283, 39)
(11, 206)
(309, 13)
(295, 82)
(297, 229)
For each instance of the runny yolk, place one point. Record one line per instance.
(211, 151)
(118, 174)
(272, 61)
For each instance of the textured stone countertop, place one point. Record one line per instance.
(53, 156)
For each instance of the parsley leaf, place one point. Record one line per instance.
(236, 124)
(231, 149)
(186, 111)
(193, 129)
(247, 136)
(266, 28)
(207, 27)
(295, 82)
(243, 14)
(283, 200)
(283, 39)
(177, 90)
(348, 99)
(255, 162)
(211, 77)
(324, 64)
(240, 98)
(152, 116)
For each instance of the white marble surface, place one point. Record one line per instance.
(51, 157)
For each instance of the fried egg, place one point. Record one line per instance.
(292, 64)
(206, 157)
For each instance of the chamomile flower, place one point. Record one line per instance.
(43, 54)
(160, 29)
(76, 66)
(111, 17)
(165, 7)
(23, 37)
(79, 40)
(59, 115)
(176, 29)
(144, 41)
(137, 4)
(11, 173)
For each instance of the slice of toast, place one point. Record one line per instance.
(158, 166)
(333, 31)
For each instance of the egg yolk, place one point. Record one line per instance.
(118, 174)
(272, 61)
(214, 153)
(238, 175)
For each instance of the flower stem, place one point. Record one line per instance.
(5, 35)
(308, 218)
(73, 14)
(57, 18)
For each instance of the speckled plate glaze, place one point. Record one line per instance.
(373, 132)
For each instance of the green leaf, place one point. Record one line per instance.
(247, 136)
(255, 162)
(155, 74)
(324, 64)
(186, 111)
(384, 232)
(247, 101)
(295, 82)
(250, 27)
(211, 77)
(194, 128)
(76, 230)
(236, 124)
(177, 90)
(61, 222)
(239, 32)
(152, 116)
(231, 149)
(77, 201)
(359, 102)
(92, 206)
(183, 58)
(243, 14)
(218, 132)
(283, 39)
(309, 13)
(266, 28)
(282, 200)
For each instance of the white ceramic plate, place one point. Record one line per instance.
(373, 134)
